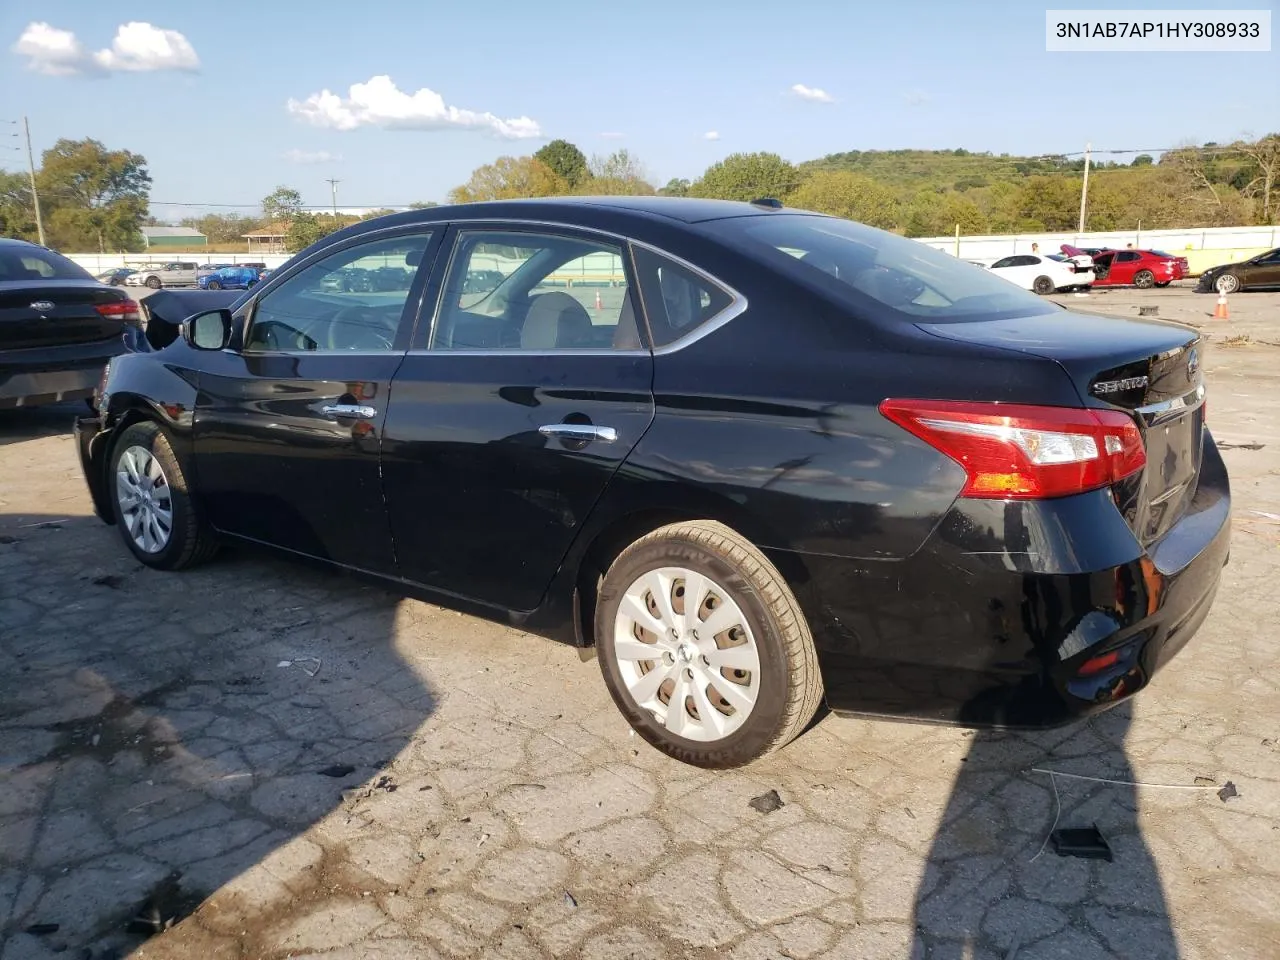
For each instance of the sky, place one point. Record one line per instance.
(402, 99)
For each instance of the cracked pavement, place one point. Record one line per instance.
(288, 763)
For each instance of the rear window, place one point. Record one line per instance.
(33, 263)
(873, 269)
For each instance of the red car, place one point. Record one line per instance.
(1138, 268)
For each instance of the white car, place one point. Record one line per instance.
(1042, 274)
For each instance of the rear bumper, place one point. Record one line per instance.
(36, 388)
(991, 622)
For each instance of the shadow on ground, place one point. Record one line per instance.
(994, 886)
(32, 423)
(147, 760)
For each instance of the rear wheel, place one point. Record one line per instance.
(1043, 286)
(703, 646)
(1144, 279)
(153, 506)
(153, 283)
(1227, 283)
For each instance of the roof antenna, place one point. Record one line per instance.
(771, 202)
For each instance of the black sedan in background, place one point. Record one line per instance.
(58, 326)
(792, 460)
(1257, 273)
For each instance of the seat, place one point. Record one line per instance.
(555, 320)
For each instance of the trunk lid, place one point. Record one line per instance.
(56, 313)
(1148, 368)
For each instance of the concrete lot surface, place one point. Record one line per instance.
(179, 779)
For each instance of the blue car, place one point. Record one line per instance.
(229, 278)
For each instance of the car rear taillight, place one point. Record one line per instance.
(1025, 452)
(126, 311)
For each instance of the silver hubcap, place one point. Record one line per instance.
(145, 502)
(687, 654)
(1227, 284)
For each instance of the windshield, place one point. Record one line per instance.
(870, 267)
(36, 263)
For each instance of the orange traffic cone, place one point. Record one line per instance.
(1220, 311)
(599, 302)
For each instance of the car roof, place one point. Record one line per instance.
(15, 242)
(680, 209)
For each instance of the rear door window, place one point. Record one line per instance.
(677, 300)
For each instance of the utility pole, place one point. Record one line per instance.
(333, 188)
(31, 169)
(1084, 189)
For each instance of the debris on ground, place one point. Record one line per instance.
(384, 783)
(43, 929)
(1085, 842)
(337, 770)
(1252, 445)
(108, 580)
(570, 900)
(1228, 791)
(310, 665)
(1205, 781)
(766, 802)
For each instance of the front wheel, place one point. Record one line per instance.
(1043, 286)
(153, 506)
(153, 283)
(1227, 283)
(213, 285)
(704, 648)
(1144, 279)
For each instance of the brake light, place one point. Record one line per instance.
(125, 311)
(1025, 452)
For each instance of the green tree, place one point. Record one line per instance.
(843, 193)
(17, 214)
(1142, 160)
(95, 197)
(676, 187)
(282, 205)
(380, 212)
(510, 178)
(565, 160)
(423, 204)
(619, 174)
(931, 214)
(747, 176)
(223, 227)
(304, 229)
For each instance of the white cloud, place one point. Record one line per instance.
(711, 135)
(815, 94)
(140, 46)
(50, 50)
(380, 103)
(137, 47)
(915, 98)
(612, 135)
(311, 156)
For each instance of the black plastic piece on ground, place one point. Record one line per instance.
(1086, 842)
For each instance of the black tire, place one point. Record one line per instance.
(154, 283)
(790, 684)
(1144, 279)
(213, 285)
(1043, 286)
(1163, 283)
(191, 541)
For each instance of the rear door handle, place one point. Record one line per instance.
(579, 431)
(357, 410)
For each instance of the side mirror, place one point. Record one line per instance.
(210, 330)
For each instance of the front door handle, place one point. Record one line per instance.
(579, 431)
(358, 410)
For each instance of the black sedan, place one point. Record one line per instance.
(1257, 273)
(58, 326)
(794, 460)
